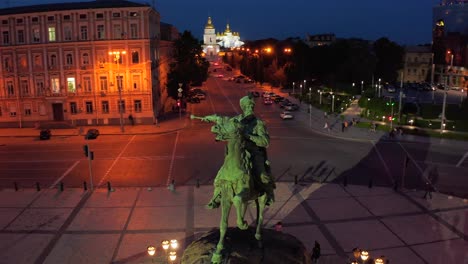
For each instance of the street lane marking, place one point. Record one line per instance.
(64, 174)
(115, 161)
(387, 170)
(169, 176)
(462, 159)
(227, 98)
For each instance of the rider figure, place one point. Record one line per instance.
(257, 140)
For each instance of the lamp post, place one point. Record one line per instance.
(333, 103)
(353, 86)
(442, 121)
(320, 96)
(310, 106)
(362, 87)
(294, 85)
(379, 87)
(391, 115)
(117, 57)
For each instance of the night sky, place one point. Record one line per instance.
(407, 22)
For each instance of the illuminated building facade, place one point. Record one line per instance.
(417, 64)
(229, 39)
(79, 63)
(320, 40)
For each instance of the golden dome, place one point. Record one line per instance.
(209, 24)
(227, 28)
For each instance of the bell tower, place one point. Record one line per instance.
(210, 47)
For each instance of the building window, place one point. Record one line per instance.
(137, 105)
(37, 61)
(87, 84)
(50, 18)
(409, 71)
(35, 19)
(53, 60)
(89, 107)
(10, 89)
(121, 105)
(133, 14)
(40, 87)
(51, 34)
(71, 84)
(67, 33)
(73, 108)
(27, 109)
(135, 57)
(136, 82)
(83, 16)
(66, 17)
(7, 65)
(1, 110)
(69, 59)
(20, 36)
(55, 84)
(36, 35)
(116, 14)
(24, 87)
(99, 16)
(84, 32)
(19, 21)
(5, 37)
(117, 31)
(12, 110)
(5, 22)
(103, 83)
(85, 58)
(105, 107)
(119, 81)
(100, 32)
(133, 31)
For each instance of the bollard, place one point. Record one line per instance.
(295, 179)
(109, 188)
(85, 186)
(345, 181)
(61, 186)
(38, 187)
(370, 183)
(16, 187)
(198, 183)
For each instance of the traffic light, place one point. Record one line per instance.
(390, 118)
(85, 148)
(178, 102)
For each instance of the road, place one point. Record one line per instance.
(192, 155)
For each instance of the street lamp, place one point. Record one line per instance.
(310, 106)
(294, 85)
(362, 87)
(379, 87)
(117, 59)
(169, 249)
(333, 103)
(364, 255)
(320, 97)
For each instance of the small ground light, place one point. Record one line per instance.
(379, 261)
(174, 244)
(172, 256)
(364, 255)
(165, 244)
(151, 250)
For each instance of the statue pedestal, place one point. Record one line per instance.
(241, 247)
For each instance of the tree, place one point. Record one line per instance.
(189, 67)
(389, 59)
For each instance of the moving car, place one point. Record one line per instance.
(45, 134)
(291, 107)
(92, 133)
(267, 101)
(286, 115)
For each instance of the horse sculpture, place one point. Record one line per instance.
(234, 183)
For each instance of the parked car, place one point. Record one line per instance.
(45, 134)
(194, 100)
(291, 107)
(92, 133)
(456, 88)
(267, 101)
(286, 115)
(284, 103)
(200, 96)
(278, 99)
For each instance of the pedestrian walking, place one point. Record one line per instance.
(326, 126)
(156, 122)
(316, 252)
(325, 114)
(428, 188)
(342, 126)
(372, 126)
(346, 125)
(171, 186)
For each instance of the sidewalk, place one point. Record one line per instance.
(76, 226)
(164, 126)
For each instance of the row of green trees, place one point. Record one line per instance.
(344, 61)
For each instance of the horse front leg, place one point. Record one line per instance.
(241, 208)
(225, 210)
(261, 203)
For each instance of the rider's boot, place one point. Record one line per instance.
(214, 202)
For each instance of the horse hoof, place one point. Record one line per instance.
(243, 225)
(217, 258)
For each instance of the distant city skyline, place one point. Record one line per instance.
(402, 21)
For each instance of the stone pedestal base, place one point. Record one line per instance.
(241, 247)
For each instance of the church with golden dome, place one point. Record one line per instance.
(213, 42)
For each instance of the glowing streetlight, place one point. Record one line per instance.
(362, 87)
(151, 250)
(165, 244)
(117, 59)
(172, 256)
(364, 255)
